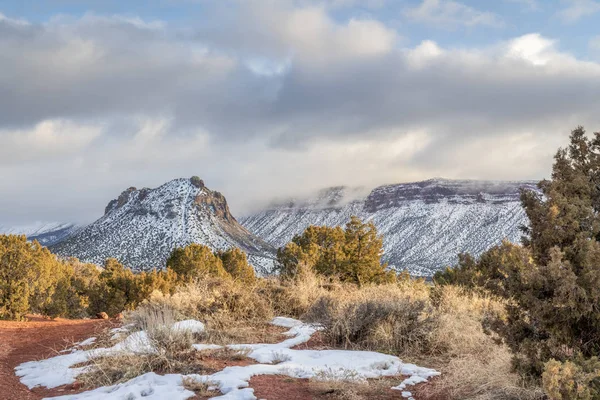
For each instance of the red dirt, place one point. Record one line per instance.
(316, 342)
(215, 364)
(37, 339)
(278, 387)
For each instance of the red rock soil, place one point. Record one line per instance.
(36, 339)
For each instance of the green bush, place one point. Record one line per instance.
(579, 380)
(352, 254)
(236, 264)
(29, 277)
(118, 289)
(196, 261)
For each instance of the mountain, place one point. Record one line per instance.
(47, 233)
(424, 224)
(141, 227)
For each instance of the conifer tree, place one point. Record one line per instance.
(196, 261)
(236, 264)
(363, 248)
(352, 254)
(552, 283)
(28, 276)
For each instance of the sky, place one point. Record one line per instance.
(268, 99)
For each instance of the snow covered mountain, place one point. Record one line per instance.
(47, 233)
(424, 224)
(141, 227)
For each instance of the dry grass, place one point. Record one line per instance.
(294, 297)
(473, 363)
(392, 318)
(202, 389)
(241, 332)
(349, 388)
(215, 301)
(173, 351)
(228, 354)
(438, 327)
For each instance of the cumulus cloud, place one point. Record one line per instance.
(277, 98)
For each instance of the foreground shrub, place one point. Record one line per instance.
(32, 280)
(119, 289)
(572, 380)
(384, 318)
(219, 303)
(173, 351)
(473, 364)
(551, 283)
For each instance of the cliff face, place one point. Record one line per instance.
(425, 224)
(141, 227)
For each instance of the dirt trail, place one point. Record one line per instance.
(36, 339)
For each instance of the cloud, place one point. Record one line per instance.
(265, 100)
(451, 14)
(48, 139)
(577, 9)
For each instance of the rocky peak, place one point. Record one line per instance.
(141, 227)
(197, 182)
(119, 201)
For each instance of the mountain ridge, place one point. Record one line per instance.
(46, 233)
(424, 224)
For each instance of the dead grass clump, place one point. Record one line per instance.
(473, 363)
(387, 318)
(118, 368)
(294, 297)
(228, 354)
(157, 321)
(201, 388)
(121, 367)
(172, 350)
(217, 300)
(471, 377)
(340, 385)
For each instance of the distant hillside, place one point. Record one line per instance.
(141, 227)
(424, 224)
(47, 233)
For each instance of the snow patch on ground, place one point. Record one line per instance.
(232, 382)
(190, 325)
(86, 342)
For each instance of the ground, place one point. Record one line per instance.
(41, 338)
(33, 340)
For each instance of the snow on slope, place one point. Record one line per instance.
(47, 233)
(142, 227)
(424, 224)
(232, 382)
